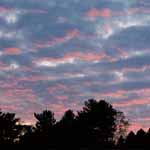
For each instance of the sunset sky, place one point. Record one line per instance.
(55, 54)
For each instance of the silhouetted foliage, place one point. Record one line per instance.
(43, 133)
(68, 118)
(65, 129)
(121, 142)
(140, 140)
(98, 125)
(10, 129)
(45, 121)
(131, 139)
(27, 137)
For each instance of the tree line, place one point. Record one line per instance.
(97, 126)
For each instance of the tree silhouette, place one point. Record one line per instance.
(122, 125)
(147, 140)
(130, 140)
(45, 120)
(27, 137)
(10, 129)
(68, 118)
(98, 123)
(121, 142)
(141, 138)
(44, 128)
(65, 129)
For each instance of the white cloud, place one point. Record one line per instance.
(4, 34)
(117, 24)
(127, 24)
(120, 75)
(105, 34)
(10, 67)
(48, 63)
(11, 16)
(78, 75)
(13, 66)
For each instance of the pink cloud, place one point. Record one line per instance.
(62, 97)
(58, 108)
(141, 69)
(12, 51)
(71, 57)
(117, 94)
(88, 57)
(94, 12)
(4, 9)
(57, 40)
(135, 127)
(7, 85)
(122, 52)
(133, 103)
(57, 87)
(3, 65)
(19, 94)
(8, 107)
(36, 78)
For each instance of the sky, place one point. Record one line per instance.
(56, 54)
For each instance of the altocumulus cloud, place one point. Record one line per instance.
(56, 54)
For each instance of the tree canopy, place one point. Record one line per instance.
(97, 125)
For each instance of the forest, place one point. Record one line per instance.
(97, 126)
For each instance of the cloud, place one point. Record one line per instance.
(56, 55)
(93, 13)
(59, 40)
(9, 67)
(69, 58)
(128, 37)
(12, 51)
(9, 15)
(46, 63)
(133, 102)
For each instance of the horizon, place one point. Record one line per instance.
(132, 126)
(56, 54)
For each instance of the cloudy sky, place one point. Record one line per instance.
(55, 54)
